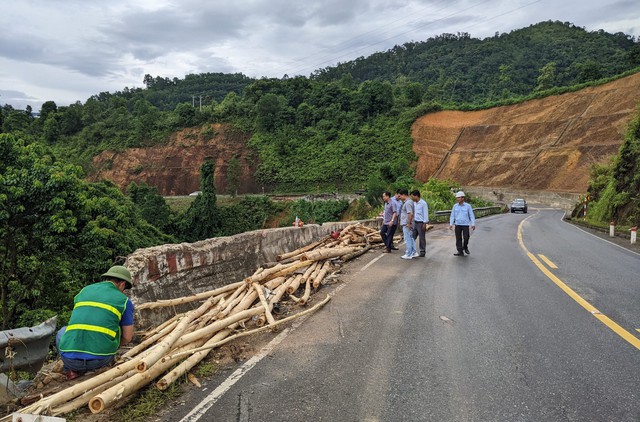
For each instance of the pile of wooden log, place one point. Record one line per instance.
(242, 308)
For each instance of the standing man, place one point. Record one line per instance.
(421, 218)
(462, 217)
(406, 221)
(389, 221)
(101, 319)
(398, 206)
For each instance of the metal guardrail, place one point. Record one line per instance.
(478, 212)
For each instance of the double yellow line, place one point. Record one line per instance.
(634, 341)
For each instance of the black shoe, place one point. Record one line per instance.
(421, 255)
(459, 254)
(394, 248)
(466, 250)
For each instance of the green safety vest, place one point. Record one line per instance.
(94, 326)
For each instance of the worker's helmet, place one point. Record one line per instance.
(459, 194)
(121, 273)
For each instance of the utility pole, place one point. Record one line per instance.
(201, 103)
(193, 101)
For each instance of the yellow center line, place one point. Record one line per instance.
(634, 341)
(547, 261)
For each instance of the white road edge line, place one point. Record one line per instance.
(597, 237)
(201, 409)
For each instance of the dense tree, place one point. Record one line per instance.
(58, 232)
(233, 176)
(202, 220)
(547, 77)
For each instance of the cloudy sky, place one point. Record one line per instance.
(68, 50)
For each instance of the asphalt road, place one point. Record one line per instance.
(499, 335)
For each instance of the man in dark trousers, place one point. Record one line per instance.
(462, 218)
(389, 221)
(420, 221)
(101, 319)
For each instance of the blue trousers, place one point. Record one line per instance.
(81, 365)
(409, 241)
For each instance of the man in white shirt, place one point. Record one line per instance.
(420, 221)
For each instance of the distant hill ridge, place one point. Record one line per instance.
(544, 144)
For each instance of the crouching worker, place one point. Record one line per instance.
(101, 319)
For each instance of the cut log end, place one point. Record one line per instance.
(142, 366)
(96, 405)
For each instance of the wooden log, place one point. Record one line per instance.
(307, 293)
(327, 253)
(332, 244)
(83, 399)
(349, 228)
(265, 304)
(251, 296)
(233, 301)
(129, 386)
(214, 327)
(355, 254)
(196, 356)
(280, 291)
(292, 268)
(187, 299)
(302, 250)
(321, 274)
(257, 278)
(43, 406)
(148, 341)
(153, 330)
(254, 331)
(293, 286)
(167, 342)
(210, 315)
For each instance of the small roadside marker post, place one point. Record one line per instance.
(612, 229)
(634, 233)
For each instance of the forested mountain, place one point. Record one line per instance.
(203, 88)
(461, 69)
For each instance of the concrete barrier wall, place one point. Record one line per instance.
(563, 200)
(177, 270)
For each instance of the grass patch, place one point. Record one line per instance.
(205, 369)
(150, 401)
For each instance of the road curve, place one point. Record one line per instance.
(486, 337)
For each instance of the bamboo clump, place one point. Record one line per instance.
(171, 349)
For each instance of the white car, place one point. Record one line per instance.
(196, 193)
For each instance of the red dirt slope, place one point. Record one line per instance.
(547, 144)
(174, 169)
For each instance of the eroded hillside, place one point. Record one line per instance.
(175, 168)
(547, 144)
(540, 145)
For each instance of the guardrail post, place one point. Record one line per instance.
(634, 232)
(612, 229)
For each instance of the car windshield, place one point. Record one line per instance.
(518, 201)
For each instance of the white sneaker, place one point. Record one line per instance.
(405, 257)
(415, 255)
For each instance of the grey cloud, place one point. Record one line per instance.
(19, 100)
(151, 35)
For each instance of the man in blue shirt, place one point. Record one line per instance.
(462, 217)
(420, 220)
(406, 221)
